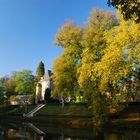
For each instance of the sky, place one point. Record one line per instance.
(28, 29)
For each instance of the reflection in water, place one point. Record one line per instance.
(131, 135)
(111, 136)
(29, 131)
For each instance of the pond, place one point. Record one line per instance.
(30, 131)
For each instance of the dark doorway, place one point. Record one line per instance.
(47, 95)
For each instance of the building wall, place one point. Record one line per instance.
(41, 87)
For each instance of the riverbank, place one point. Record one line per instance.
(82, 123)
(75, 116)
(68, 121)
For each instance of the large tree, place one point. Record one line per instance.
(82, 49)
(40, 70)
(65, 66)
(120, 63)
(102, 59)
(94, 43)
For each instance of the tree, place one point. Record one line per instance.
(94, 43)
(119, 66)
(24, 82)
(40, 70)
(2, 89)
(65, 66)
(102, 59)
(82, 49)
(64, 77)
(7, 88)
(18, 83)
(129, 8)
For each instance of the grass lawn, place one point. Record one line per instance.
(73, 110)
(55, 110)
(128, 114)
(19, 110)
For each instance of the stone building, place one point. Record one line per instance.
(44, 87)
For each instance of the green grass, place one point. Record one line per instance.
(55, 110)
(74, 110)
(71, 110)
(19, 110)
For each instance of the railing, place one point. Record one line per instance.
(31, 113)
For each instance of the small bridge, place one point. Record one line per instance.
(35, 110)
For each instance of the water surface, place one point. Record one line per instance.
(30, 131)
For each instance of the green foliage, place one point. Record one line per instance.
(40, 70)
(98, 104)
(18, 83)
(24, 82)
(7, 87)
(32, 98)
(65, 66)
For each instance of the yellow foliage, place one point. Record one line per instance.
(123, 47)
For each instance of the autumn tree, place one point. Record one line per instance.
(82, 49)
(101, 59)
(130, 9)
(119, 66)
(94, 43)
(65, 66)
(40, 70)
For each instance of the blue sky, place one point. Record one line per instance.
(28, 28)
